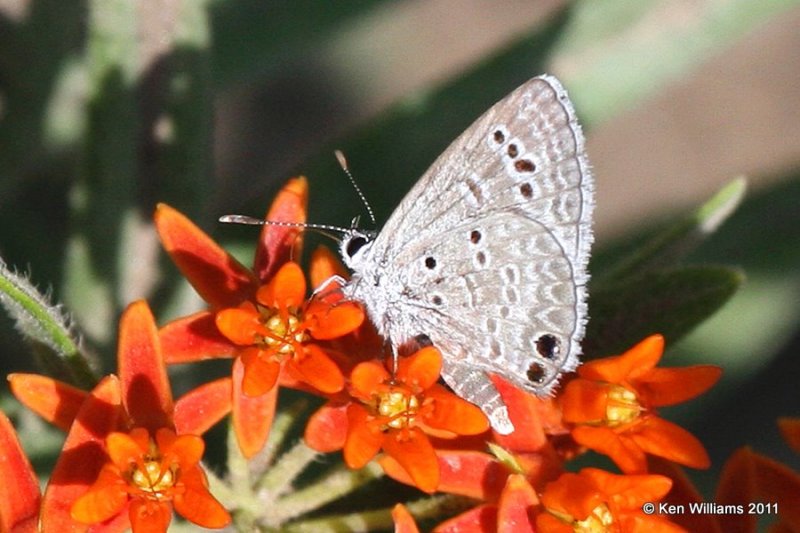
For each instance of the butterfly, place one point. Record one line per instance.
(486, 256)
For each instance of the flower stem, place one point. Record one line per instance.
(336, 483)
(278, 479)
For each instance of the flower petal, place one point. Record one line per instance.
(585, 401)
(790, 430)
(241, 325)
(149, 516)
(123, 450)
(632, 364)
(196, 503)
(403, 521)
(670, 386)
(530, 415)
(194, 338)
(260, 374)
(326, 321)
(83, 455)
(318, 370)
(366, 378)
(202, 407)
(482, 518)
(187, 449)
(147, 395)
(56, 402)
(412, 449)
(106, 498)
(326, 430)
(278, 244)
(19, 503)
(252, 415)
(362, 442)
(324, 265)
(421, 369)
(572, 495)
(517, 504)
(663, 438)
(628, 456)
(628, 492)
(454, 414)
(472, 474)
(287, 289)
(216, 275)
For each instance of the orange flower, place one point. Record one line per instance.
(534, 450)
(276, 331)
(507, 480)
(147, 474)
(259, 323)
(123, 460)
(396, 415)
(612, 404)
(595, 500)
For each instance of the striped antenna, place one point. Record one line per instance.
(343, 163)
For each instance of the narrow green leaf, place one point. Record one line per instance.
(45, 327)
(670, 302)
(672, 244)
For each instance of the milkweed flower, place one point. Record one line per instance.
(257, 316)
(596, 500)
(279, 329)
(397, 415)
(612, 406)
(131, 456)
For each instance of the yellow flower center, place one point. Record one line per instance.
(150, 478)
(598, 521)
(400, 407)
(623, 406)
(284, 333)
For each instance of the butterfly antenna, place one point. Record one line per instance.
(324, 229)
(343, 163)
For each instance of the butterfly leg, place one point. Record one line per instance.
(474, 385)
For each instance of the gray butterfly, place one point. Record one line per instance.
(486, 255)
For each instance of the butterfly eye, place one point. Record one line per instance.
(355, 244)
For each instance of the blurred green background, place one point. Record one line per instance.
(109, 106)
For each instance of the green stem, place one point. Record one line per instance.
(434, 507)
(338, 482)
(278, 480)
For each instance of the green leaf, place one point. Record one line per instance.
(671, 245)
(670, 302)
(45, 327)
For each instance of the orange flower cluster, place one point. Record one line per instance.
(132, 454)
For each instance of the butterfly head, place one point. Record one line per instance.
(354, 246)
